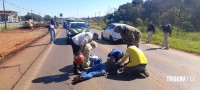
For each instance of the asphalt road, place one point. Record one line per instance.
(169, 70)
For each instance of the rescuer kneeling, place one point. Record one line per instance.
(137, 64)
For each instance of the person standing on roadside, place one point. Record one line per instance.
(167, 32)
(150, 31)
(130, 35)
(52, 31)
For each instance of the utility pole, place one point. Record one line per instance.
(39, 18)
(4, 15)
(19, 17)
(31, 14)
(77, 15)
(99, 13)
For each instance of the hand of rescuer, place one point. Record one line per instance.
(120, 67)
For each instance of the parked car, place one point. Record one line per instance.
(75, 28)
(109, 33)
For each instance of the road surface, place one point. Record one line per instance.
(169, 70)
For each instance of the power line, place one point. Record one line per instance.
(17, 6)
(22, 7)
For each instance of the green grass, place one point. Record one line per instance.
(97, 27)
(186, 41)
(8, 28)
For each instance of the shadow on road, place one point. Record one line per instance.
(122, 77)
(67, 70)
(107, 42)
(61, 41)
(50, 79)
(153, 48)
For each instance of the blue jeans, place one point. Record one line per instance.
(94, 71)
(52, 34)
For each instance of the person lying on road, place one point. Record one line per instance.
(116, 54)
(108, 68)
(92, 60)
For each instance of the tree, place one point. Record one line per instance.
(139, 22)
(182, 13)
(33, 16)
(47, 18)
(102, 24)
(28, 16)
(61, 15)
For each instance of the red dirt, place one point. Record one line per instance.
(14, 40)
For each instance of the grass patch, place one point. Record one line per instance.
(97, 27)
(186, 41)
(8, 28)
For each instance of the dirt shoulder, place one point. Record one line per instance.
(14, 67)
(14, 40)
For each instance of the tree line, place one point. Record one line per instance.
(36, 17)
(181, 13)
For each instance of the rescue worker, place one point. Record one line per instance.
(137, 64)
(150, 31)
(167, 32)
(130, 35)
(86, 52)
(79, 41)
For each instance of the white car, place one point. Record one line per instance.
(110, 33)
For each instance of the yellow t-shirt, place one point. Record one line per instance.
(136, 56)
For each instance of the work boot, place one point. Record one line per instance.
(167, 48)
(144, 73)
(76, 72)
(80, 68)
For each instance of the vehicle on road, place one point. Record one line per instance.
(75, 28)
(28, 24)
(110, 33)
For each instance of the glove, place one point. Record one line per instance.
(119, 65)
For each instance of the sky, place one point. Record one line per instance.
(69, 8)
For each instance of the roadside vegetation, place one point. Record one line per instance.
(10, 26)
(181, 14)
(99, 25)
(186, 41)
